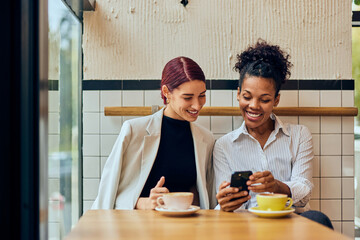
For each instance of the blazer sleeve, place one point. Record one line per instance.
(210, 177)
(110, 177)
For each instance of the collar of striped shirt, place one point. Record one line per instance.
(278, 125)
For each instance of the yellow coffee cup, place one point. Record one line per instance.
(273, 201)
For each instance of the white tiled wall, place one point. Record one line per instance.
(309, 98)
(333, 138)
(54, 167)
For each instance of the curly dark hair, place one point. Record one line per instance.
(264, 60)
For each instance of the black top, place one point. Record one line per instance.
(175, 158)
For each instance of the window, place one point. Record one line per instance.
(64, 137)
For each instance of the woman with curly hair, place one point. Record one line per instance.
(279, 154)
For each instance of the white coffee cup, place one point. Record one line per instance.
(176, 200)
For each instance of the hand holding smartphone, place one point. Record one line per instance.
(239, 179)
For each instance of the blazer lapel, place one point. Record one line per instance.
(200, 147)
(150, 148)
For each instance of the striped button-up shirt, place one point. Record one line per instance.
(287, 154)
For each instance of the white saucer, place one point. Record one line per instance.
(171, 212)
(270, 214)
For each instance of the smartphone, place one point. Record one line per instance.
(239, 179)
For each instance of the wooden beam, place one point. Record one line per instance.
(234, 111)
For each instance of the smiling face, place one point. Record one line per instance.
(185, 101)
(256, 101)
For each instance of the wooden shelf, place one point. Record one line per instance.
(234, 111)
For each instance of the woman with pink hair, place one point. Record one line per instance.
(163, 152)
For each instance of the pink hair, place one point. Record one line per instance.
(178, 71)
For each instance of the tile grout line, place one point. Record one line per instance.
(100, 92)
(341, 174)
(320, 156)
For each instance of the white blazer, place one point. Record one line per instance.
(132, 157)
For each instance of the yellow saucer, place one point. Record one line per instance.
(270, 214)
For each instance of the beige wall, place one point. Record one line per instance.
(134, 39)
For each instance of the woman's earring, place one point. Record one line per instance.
(167, 101)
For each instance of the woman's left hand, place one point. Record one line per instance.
(267, 182)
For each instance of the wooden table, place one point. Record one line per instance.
(205, 224)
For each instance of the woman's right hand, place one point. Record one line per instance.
(150, 202)
(226, 194)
